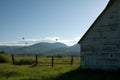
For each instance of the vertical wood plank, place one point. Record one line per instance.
(13, 60)
(71, 60)
(52, 61)
(36, 60)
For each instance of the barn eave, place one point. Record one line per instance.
(106, 8)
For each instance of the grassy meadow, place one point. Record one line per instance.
(26, 69)
(42, 71)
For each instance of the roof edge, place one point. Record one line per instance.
(107, 7)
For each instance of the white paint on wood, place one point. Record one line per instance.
(100, 47)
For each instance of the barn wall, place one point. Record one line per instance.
(100, 47)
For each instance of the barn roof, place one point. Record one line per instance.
(107, 7)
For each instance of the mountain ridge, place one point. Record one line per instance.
(43, 48)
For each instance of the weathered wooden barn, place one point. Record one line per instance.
(100, 45)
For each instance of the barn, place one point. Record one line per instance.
(100, 45)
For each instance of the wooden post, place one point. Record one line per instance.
(71, 60)
(36, 60)
(52, 61)
(13, 60)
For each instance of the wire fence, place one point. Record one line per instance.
(46, 60)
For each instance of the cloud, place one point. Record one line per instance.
(13, 43)
(65, 41)
(52, 38)
(27, 42)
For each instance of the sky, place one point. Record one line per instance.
(35, 21)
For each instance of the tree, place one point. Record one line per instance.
(2, 52)
(4, 58)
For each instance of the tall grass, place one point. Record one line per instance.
(40, 72)
(24, 60)
(62, 70)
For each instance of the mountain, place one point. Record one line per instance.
(48, 46)
(43, 48)
(7, 49)
(39, 48)
(75, 49)
(66, 51)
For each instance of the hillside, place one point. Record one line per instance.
(8, 49)
(43, 48)
(67, 51)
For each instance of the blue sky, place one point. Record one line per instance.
(46, 20)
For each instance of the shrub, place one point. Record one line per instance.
(25, 61)
(4, 58)
(2, 52)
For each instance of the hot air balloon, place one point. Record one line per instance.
(23, 38)
(26, 43)
(56, 39)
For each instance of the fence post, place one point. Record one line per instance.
(13, 60)
(36, 60)
(71, 60)
(52, 61)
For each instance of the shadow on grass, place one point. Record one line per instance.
(87, 74)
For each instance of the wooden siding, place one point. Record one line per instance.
(100, 46)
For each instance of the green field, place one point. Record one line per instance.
(25, 69)
(42, 71)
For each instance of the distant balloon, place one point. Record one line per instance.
(56, 39)
(26, 43)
